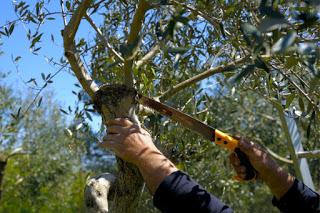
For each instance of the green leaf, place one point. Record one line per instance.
(12, 115)
(283, 43)
(243, 73)
(270, 24)
(314, 83)
(312, 118)
(11, 28)
(88, 115)
(3, 33)
(68, 132)
(68, 5)
(43, 76)
(48, 76)
(17, 58)
(64, 111)
(35, 40)
(269, 11)
(18, 113)
(301, 104)
(33, 81)
(291, 61)
(40, 101)
(259, 62)
(176, 50)
(289, 99)
(7, 31)
(35, 50)
(251, 34)
(38, 8)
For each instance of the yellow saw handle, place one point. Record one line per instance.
(225, 140)
(232, 144)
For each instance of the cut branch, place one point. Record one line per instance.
(309, 154)
(220, 69)
(71, 53)
(63, 13)
(133, 36)
(103, 39)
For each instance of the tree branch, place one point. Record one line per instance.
(134, 32)
(73, 57)
(18, 151)
(63, 13)
(148, 56)
(309, 154)
(297, 87)
(278, 157)
(103, 39)
(212, 20)
(220, 69)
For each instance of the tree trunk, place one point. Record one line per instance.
(3, 164)
(114, 101)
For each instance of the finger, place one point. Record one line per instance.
(135, 129)
(236, 164)
(106, 144)
(120, 122)
(143, 131)
(246, 146)
(240, 170)
(234, 160)
(115, 129)
(108, 137)
(113, 137)
(242, 175)
(110, 141)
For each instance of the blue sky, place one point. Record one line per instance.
(31, 66)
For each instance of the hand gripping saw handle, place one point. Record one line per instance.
(208, 132)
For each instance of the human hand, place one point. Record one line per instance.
(278, 180)
(129, 141)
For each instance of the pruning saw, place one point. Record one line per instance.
(218, 137)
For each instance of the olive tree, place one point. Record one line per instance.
(166, 49)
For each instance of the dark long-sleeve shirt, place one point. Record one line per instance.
(179, 193)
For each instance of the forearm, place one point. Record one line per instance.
(280, 182)
(154, 168)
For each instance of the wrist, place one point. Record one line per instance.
(147, 155)
(154, 167)
(280, 182)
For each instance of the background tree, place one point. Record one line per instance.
(255, 55)
(45, 167)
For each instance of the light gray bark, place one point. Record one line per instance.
(114, 101)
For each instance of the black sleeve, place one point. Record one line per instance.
(179, 193)
(299, 198)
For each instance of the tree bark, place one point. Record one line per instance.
(3, 164)
(114, 101)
